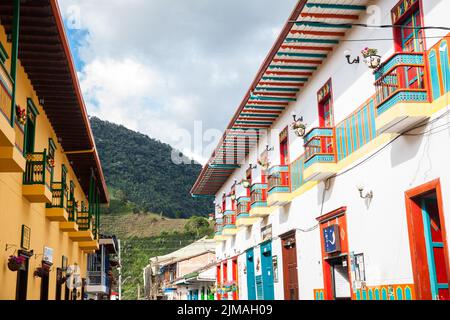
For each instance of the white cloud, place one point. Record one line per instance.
(161, 66)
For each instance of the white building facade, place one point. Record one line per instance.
(354, 207)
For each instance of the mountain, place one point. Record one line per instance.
(141, 176)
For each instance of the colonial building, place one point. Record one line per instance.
(331, 180)
(51, 180)
(185, 274)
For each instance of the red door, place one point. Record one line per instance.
(219, 280)
(429, 251)
(235, 279)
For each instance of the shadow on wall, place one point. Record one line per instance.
(324, 192)
(406, 148)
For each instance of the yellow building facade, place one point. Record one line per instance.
(51, 181)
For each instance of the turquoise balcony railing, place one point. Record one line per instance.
(218, 227)
(259, 195)
(320, 146)
(243, 207)
(229, 219)
(400, 79)
(279, 180)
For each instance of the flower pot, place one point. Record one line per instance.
(373, 61)
(13, 266)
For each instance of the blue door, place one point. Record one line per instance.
(267, 271)
(251, 276)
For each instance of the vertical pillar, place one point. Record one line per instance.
(14, 56)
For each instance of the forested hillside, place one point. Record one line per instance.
(139, 170)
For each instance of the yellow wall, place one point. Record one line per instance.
(15, 210)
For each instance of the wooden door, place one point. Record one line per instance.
(290, 273)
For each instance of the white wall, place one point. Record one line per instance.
(378, 230)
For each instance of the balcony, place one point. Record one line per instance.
(229, 223)
(218, 229)
(57, 210)
(259, 207)
(320, 154)
(401, 93)
(11, 138)
(84, 233)
(72, 211)
(279, 186)
(97, 282)
(37, 178)
(243, 218)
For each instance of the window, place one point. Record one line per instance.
(30, 127)
(408, 36)
(3, 54)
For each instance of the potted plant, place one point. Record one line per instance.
(265, 165)
(299, 128)
(245, 183)
(40, 272)
(51, 162)
(371, 57)
(15, 263)
(21, 115)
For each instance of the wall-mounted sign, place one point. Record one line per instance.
(266, 232)
(332, 239)
(48, 255)
(25, 239)
(64, 263)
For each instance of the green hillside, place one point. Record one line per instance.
(139, 170)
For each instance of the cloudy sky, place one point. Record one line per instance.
(171, 68)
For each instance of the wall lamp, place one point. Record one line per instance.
(252, 166)
(369, 195)
(348, 55)
(269, 149)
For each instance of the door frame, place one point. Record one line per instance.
(432, 186)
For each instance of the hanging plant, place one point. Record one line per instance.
(40, 272)
(51, 162)
(263, 164)
(21, 115)
(245, 183)
(299, 128)
(16, 263)
(371, 57)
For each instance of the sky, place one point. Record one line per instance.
(175, 70)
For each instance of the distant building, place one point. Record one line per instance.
(100, 277)
(181, 275)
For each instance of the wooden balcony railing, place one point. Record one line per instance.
(258, 194)
(279, 179)
(38, 170)
(6, 86)
(72, 210)
(84, 221)
(229, 220)
(320, 146)
(243, 208)
(401, 79)
(59, 196)
(218, 228)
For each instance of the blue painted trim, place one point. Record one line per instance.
(279, 190)
(402, 96)
(298, 40)
(336, 6)
(430, 254)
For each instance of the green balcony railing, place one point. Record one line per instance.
(59, 196)
(84, 221)
(72, 210)
(38, 170)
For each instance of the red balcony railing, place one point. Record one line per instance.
(401, 79)
(320, 146)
